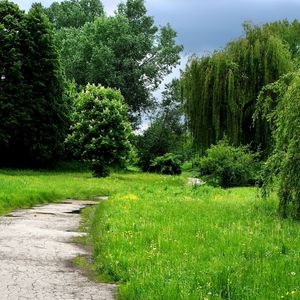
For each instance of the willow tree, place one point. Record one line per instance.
(221, 89)
(279, 104)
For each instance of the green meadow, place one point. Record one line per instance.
(19, 189)
(159, 238)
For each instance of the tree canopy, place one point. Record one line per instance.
(101, 131)
(74, 13)
(126, 51)
(221, 89)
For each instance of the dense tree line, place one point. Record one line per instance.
(126, 51)
(255, 74)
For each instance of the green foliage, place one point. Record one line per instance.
(152, 143)
(282, 111)
(101, 131)
(126, 51)
(74, 13)
(168, 164)
(32, 108)
(11, 24)
(167, 132)
(288, 32)
(229, 166)
(171, 107)
(221, 89)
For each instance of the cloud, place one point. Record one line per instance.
(110, 6)
(205, 25)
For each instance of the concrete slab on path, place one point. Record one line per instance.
(36, 252)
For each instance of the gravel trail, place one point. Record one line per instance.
(36, 253)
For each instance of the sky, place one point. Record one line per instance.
(203, 26)
(206, 25)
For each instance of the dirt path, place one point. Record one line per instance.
(36, 255)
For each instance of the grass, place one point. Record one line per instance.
(163, 240)
(160, 239)
(20, 189)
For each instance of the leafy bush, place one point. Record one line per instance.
(101, 130)
(229, 166)
(167, 164)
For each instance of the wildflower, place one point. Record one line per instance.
(131, 197)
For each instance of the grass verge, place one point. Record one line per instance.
(19, 189)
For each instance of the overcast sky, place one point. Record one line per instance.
(205, 25)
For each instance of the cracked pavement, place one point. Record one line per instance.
(36, 253)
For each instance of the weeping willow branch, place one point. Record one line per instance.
(220, 90)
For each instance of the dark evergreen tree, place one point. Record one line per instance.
(11, 73)
(46, 128)
(32, 102)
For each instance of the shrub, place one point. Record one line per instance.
(101, 130)
(168, 164)
(229, 166)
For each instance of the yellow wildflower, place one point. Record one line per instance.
(131, 197)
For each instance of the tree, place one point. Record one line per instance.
(221, 89)
(11, 81)
(155, 141)
(101, 131)
(279, 104)
(32, 106)
(167, 130)
(74, 13)
(126, 51)
(288, 32)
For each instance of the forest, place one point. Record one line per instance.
(76, 86)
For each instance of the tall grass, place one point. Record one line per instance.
(163, 240)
